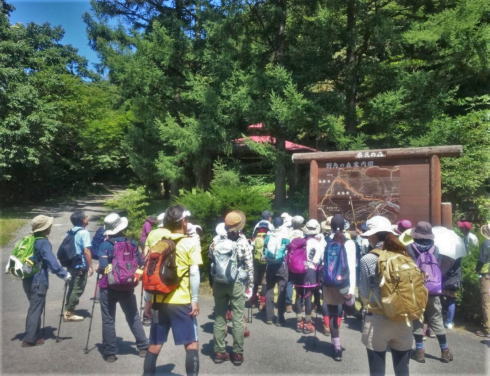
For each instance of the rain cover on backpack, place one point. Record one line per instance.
(403, 293)
(224, 266)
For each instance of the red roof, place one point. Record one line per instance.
(290, 146)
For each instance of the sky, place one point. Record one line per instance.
(65, 13)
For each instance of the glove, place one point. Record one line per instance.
(108, 269)
(248, 293)
(67, 277)
(137, 275)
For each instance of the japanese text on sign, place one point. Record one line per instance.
(350, 165)
(370, 154)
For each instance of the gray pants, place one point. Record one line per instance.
(433, 317)
(272, 279)
(37, 300)
(127, 300)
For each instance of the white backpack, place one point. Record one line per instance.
(224, 266)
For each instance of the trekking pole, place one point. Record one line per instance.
(44, 319)
(61, 314)
(142, 306)
(353, 213)
(91, 314)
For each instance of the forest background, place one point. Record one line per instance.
(179, 80)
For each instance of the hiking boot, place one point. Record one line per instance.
(229, 315)
(300, 326)
(326, 329)
(70, 316)
(142, 353)
(418, 355)
(337, 355)
(289, 308)
(281, 322)
(246, 332)
(221, 357)
(482, 333)
(308, 327)
(449, 325)
(236, 359)
(269, 322)
(446, 356)
(40, 341)
(146, 321)
(110, 358)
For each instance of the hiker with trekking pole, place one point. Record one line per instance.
(32, 258)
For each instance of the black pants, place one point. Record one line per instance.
(377, 362)
(127, 300)
(37, 301)
(259, 276)
(272, 280)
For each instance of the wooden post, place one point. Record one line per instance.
(313, 209)
(435, 191)
(447, 214)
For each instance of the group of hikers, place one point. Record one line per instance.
(404, 284)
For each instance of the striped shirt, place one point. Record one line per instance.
(368, 280)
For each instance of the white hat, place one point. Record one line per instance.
(160, 219)
(114, 224)
(297, 220)
(192, 229)
(312, 227)
(377, 224)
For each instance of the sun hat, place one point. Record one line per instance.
(402, 225)
(297, 221)
(337, 223)
(326, 224)
(235, 220)
(465, 225)
(485, 231)
(312, 227)
(41, 223)
(376, 224)
(160, 219)
(114, 224)
(423, 230)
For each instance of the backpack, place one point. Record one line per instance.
(296, 258)
(224, 265)
(67, 252)
(124, 265)
(275, 248)
(335, 265)
(403, 292)
(160, 272)
(258, 244)
(97, 240)
(21, 263)
(428, 264)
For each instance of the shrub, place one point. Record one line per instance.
(469, 298)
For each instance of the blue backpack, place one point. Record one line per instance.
(275, 248)
(335, 266)
(97, 240)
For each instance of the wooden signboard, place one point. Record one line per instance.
(396, 183)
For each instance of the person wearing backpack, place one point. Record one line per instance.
(80, 267)
(426, 255)
(178, 307)
(276, 272)
(389, 311)
(266, 221)
(339, 279)
(260, 265)
(36, 285)
(120, 264)
(148, 225)
(232, 272)
(296, 232)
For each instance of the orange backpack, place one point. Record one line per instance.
(160, 272)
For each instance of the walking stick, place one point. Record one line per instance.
(44, 319)
(142, 306)
(353, 213)
(91, 314)
(61, 314)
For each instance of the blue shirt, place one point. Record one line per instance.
(43, 254)
(82, 241)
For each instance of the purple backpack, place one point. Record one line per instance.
(124, 265)
(427, 263)
(296, 258)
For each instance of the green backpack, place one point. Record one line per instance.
(259, 244)
(21, 263)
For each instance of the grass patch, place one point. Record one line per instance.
(9, 226)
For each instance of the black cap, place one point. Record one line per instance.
(338, 223)
(266, 214)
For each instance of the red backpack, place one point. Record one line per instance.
(160, 273)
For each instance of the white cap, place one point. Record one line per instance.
(160, 219)
(377, 224)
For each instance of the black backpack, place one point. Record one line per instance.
(67, 252)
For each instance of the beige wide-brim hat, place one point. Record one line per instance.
(327, 224)
(114, 224)
(485, 231)
(235, 221)
(41, 222)
(312, 227)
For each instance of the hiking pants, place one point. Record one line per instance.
(225, 296)
(485, 300)
(75, 288)
(303, 297)
(127, 300)
(259, 278)
(37, 300)
(377, 362)
(272, 280)
(433, 317)
(289, 293)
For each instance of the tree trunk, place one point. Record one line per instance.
(351, 70)
(281, 175)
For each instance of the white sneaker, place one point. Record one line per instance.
(70, 316)
(450, 325)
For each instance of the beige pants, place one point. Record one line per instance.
(485, 300)
(433, 317)
(379, 333)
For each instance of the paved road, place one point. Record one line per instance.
(269, 350)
